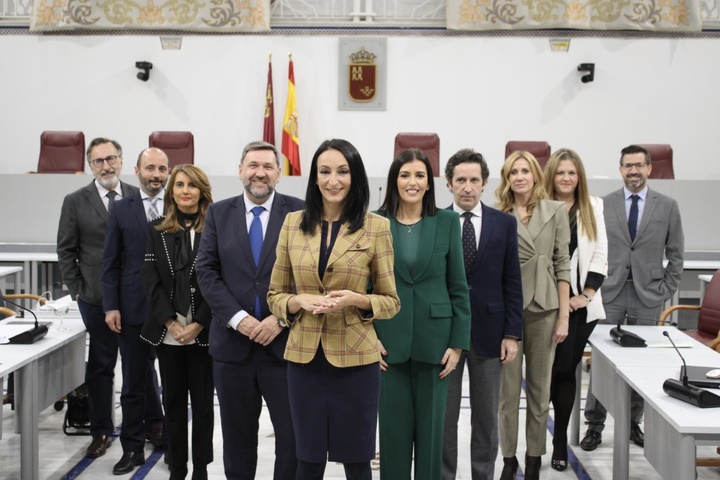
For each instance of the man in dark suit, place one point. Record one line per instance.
(247, 343)
(123, 299)
(643, 226)
(80, 244)
(493, 273)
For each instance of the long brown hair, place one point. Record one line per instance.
(505, 195)
(582, 196)
(170, 223)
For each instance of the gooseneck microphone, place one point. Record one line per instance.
(29, 336)
(625, 338)
(682, 390)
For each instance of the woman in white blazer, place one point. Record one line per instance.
(565, 180)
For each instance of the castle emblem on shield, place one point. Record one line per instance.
(362, 76)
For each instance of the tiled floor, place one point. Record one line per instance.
(62, 456)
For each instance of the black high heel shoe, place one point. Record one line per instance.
(509, 469)
(559, 460)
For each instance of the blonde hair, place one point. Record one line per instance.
(170, 223)
(582, 196)
(505, 195)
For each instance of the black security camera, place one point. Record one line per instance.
(145, 67)
(590, 69)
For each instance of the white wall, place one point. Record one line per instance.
(474, 92)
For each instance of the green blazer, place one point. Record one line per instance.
(434, 298)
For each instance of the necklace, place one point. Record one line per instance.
(410, 227)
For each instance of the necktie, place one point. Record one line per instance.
(256, 241)
(469, 243)
(111, 198)
(633, 217)
(152, 213)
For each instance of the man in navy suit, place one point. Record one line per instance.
(80, 242)
(490, 247)
(125, 307)
(247, 344)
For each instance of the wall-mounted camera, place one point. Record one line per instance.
(145, 67)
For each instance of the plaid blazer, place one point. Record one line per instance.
(348, 338)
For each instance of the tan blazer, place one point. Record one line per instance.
(348, 339)
(544, 255)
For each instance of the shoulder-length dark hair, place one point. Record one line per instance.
(171, 223)
(392, 194)
(357, 200)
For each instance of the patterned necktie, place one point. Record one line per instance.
(469, 243)
(256, 241)
(633, 217)
(111, 198)
(152, 213)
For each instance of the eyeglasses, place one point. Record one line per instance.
(98, 162)
(637, 166)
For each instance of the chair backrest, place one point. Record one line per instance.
(179, 146)
(661, 158)
(540, 150)
(61, 152)
(709, 317)
(429, 143)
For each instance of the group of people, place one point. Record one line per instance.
(336, 316)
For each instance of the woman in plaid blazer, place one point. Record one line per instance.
(326, 256)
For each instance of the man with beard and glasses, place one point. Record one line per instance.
(642, 226)
(247, 343)
(126, 309)
(80, 244)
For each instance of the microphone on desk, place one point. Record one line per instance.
(29, 336)
(625, 338)
(682, 390)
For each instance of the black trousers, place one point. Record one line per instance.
(186, 369)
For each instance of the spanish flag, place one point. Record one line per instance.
(290, 141)
(269, 124)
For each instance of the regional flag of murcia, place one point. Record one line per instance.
(362, 76)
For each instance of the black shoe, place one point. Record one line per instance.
(509, 469)
(591, 440)
(636, 435)
(199, 473)
(128, 462)
(559, 460)
(532, 467)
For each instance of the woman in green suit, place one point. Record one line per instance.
(421, 345)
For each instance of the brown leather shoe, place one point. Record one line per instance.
(98, 446)
(154, 435)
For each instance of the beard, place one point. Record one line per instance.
(108, 182)
(149, 188)
(260, 192)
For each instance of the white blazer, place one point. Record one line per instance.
(591, 255)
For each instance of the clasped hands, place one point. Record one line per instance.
(184, 334)
(335, 301)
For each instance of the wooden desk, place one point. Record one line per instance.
(44, 371)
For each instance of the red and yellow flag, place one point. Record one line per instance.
(290, 140)
(269, 124)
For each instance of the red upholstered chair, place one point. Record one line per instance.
(540, 150)
(661, 158)
(179, 146)
(61, 152)
(709, 316)
(429, 143)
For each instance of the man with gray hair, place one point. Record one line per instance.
(247, 343)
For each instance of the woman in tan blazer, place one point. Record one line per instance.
(565, 181)
(326, 255)
(543, 238)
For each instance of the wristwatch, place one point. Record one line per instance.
(282, 323)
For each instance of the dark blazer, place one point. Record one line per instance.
(434, 299)
(228, 276)
(125, 243)
(159, 283)
(659, 233)
(496, 285)
(81, 241)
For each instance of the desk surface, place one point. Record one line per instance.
(28, 257)
(9, 270)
